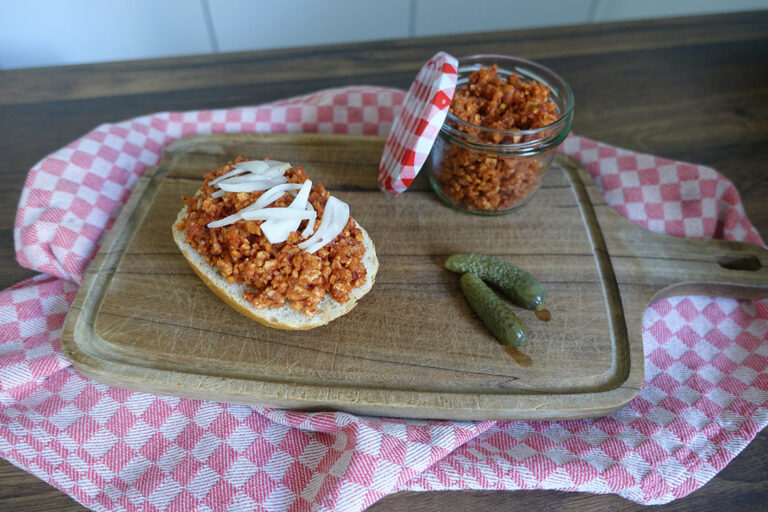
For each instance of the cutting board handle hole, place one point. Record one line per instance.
(738, 261)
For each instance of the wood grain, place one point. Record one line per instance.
(143, 320)
(688, 89)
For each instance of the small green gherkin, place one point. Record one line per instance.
(499, 319)
(516, 284)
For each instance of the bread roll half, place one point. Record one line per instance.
(284, 317)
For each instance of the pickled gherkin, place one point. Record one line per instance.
(516, 284)
(499, 319)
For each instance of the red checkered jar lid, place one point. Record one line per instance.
(416, 128)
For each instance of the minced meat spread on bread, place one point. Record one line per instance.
(274, 274)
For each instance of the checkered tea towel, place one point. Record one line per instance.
(705, 394)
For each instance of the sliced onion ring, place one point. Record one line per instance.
(282, 166)
(267, 198)
(257, 167)
(253, 186)
(332, 223)
(276, 214)
(225, 221)
(272, 195)
(236, 172)
(245, 178)
(254, 166)
(311, 224)
(262, 214)
(277, 231)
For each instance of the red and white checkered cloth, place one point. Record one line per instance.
(705, 394)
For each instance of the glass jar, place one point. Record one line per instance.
(488, 171)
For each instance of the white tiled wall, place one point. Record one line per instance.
(246, 25)
(438, 17)
(53, 32)
(616, 10)
(57, 32)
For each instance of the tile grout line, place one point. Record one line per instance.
(593, 10)
(210, 29)
(412, 18)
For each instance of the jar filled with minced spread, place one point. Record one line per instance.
(506, 120)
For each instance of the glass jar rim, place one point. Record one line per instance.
(564, 87)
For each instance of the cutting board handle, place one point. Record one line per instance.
(666, 265)
(738, 270)
(684, 266)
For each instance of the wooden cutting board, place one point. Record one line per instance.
(412, 347)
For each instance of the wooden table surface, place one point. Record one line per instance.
(693, 89)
